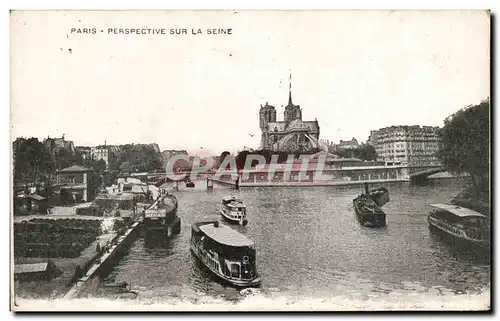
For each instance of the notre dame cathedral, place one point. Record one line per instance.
(291, 135)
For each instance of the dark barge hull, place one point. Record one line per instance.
(164, 230)
(369, 218)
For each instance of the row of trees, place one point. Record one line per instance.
(31, 159)
(267, 154)
(135, 158)
(364, 152)
(34, 163)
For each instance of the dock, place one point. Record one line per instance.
(104, 261)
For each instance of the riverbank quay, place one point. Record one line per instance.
(58, 286)
(73, 243)
(305, 183)
(119, 245)
(263, 179)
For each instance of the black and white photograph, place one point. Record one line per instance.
(250, 160)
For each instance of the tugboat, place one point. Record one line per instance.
(234, 210)
(461, 224)
(189, 183)
(227, 253)
(161, 216)
(368, 207)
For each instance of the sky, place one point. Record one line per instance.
(353, 71)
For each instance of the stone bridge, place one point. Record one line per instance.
(421, 174)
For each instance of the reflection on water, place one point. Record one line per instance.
(309, 244)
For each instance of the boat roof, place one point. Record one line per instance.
(458, 210)
(223, 234)
(228, 199)
(236, 204)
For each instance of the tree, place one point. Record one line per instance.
(133, 158)
(241, 159)
(367, 152)
(223, 156)
(465, 144)
(65, 158)
(31, 159)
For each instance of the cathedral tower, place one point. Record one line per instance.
(267, 114)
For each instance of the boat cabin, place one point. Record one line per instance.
(234, 203)
(230, 250)
(459, 216)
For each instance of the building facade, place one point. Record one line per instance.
(100, 152)
(407, 145)
(55, 145)
(83, 151)
(347, 144)
(292, 134)
(72, 185)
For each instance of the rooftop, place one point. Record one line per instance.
(225, 235)
(457, 210)
(30, 268)
(75, 168)
(36, 197)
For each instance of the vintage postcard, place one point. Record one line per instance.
(301, 160)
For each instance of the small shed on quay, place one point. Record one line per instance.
(30, 204)
(41, 271)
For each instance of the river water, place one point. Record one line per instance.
(310, 245)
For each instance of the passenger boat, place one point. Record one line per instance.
(225, 252)
(368, 207)
(161, 216)
(460, 223)
(234, 210)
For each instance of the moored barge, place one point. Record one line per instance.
(161, 216)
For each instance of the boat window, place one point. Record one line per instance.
(126, 205)
(472, 222)
(235, 270)
(225, 269)
(446, 217)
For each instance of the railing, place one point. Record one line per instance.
(469, 232)
(476, 233)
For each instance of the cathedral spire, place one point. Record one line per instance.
(290, 91)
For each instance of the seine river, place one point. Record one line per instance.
(309, 244)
